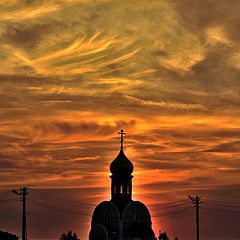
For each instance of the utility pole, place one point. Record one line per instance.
(196, 201)
(23, 192)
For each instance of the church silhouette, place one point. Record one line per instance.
(121, 218)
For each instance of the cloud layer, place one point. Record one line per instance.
(74, 72)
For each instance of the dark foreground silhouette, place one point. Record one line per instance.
(164, 236)
(69, 236)
(7, 236)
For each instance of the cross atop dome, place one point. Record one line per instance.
(121, 165)
(122, 133)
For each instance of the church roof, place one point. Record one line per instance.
(121, 164)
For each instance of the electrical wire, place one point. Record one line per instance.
(6, 202)
(60, 208)
(3, 191)
(221, 200)
(67, 205)
(223, 205)
(170, 213)
(169, 208)
(182, 211)
(40, 193)
(57, 204)
(180, 202)
(9, 200)
(57, 209)
(221, 210)
(160, 207)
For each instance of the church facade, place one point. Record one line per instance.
(121, 218)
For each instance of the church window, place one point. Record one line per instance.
(114, 189)
(128, 189)
(135, 216)
(105, 216)
(121, 189)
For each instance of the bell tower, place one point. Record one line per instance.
(121, 178)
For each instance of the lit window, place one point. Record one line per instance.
(114, 189)
(121, 189)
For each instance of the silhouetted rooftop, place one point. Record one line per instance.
(121, 164)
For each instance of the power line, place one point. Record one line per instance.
(221, 210)
(165, 210)
(170, 213)
(221, 200)
(196, 201)
(4, 191)
(8, 201)
(182, 211)
(173, 211)
(58, 209)
(167, 207)
(171, 203)
(173, 216)
(53, 202)
(23, 192)
(40, 193)
(224, 205)
(37, 200)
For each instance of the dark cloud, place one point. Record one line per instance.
(25, 36)
(84, 128)
(202, 14)
(231, 147)
(167, 185)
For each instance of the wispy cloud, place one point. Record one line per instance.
(19, 12)
(74, 72)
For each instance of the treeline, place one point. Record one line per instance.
(164, 236)
(8, 236)
(70, 235)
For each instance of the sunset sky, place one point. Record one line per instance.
(75, 72)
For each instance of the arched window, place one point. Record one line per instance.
(135, 216)
(121, 189)
(128, 189)
(114, 189)
(105, 216)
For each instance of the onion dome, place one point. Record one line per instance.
(121, 165)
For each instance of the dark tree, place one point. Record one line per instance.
(69, 236)
(163, 236)
(7, 236)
